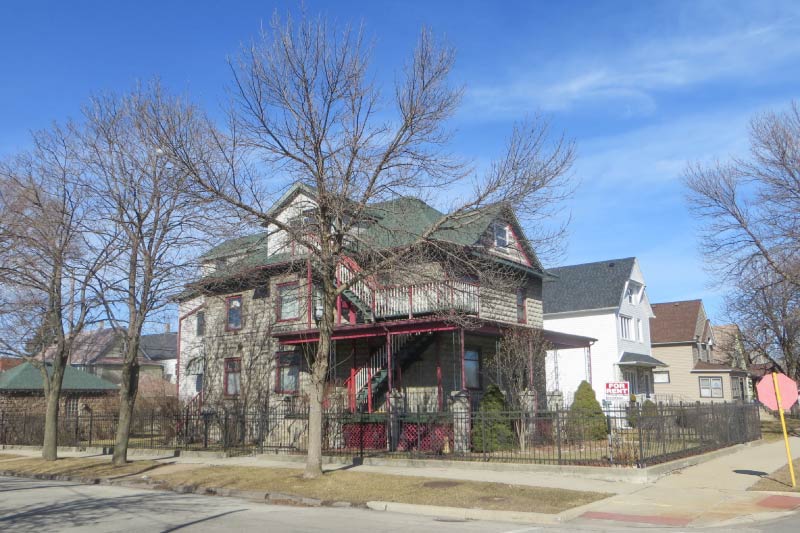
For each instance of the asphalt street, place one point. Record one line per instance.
(28, 505)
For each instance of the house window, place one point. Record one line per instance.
(661, 376)
(626, 327)
(500, 235)
(472, 368)
(737, 388)
(287, 380)
(710, 387)
(521, 312)
(200, 324)
(233, 313)
(288, 303)
(639, 330)
(71, 406)
(632, 293)
(233, 376)
(198, 383)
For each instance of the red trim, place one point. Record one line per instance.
(278, 366)
(389, 366)
(310, 295)
(278, 288)
(225, 375)
(228, 301)
(463, 368)
(522, 306)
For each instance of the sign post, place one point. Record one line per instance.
(780, 393)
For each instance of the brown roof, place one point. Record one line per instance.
(674, 321)
(7, 363)
(705, 366)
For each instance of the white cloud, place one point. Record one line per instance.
(628, 79)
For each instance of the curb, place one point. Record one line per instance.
(276, 498)
(459, 513)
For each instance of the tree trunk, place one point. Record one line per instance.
(319, 374)
(127, 398)
(50, 443)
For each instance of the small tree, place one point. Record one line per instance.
(492, 432)
(586, 420)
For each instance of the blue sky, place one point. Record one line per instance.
(643, 88)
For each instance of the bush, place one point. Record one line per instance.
(491, 428)
(649, 414)
(586, 420)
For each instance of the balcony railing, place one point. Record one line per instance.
(409, 300)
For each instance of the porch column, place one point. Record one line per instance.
(389, 363)
(463, 364)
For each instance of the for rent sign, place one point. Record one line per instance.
(617, 389)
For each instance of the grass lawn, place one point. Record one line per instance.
(358, 488)
(7, 456)
(780, 480)
(77, 466)
(771, 430)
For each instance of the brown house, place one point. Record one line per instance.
(698, 369)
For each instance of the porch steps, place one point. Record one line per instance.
(407, 354)
(361, 305)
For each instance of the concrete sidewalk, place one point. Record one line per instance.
(710, 494)
(713, 493)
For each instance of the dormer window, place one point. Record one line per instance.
(632, 293)
(501, 239)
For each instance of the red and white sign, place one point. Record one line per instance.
(766, 391)
(618, 388)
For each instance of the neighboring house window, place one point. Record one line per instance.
(472, 368)
(71, 406)
(639, 330)
(288, 303)
(521, 313)
(626, 327)
(737, 388)
(711, 387)
(288, 373)
(198, 383)
(630, 377)
(233, 376)
(233, 313)
(661, 376)
(201, 323)
(500, 235)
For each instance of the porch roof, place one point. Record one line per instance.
(639, 359)
(567, 340)
(419, 325)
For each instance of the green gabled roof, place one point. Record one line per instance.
(247, 244)
(27, 377)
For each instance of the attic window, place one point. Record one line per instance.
(500, 232)
(632, 293)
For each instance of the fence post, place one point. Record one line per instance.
(152, 426)
(419, 423)
(91, 426)
(77, 429)
(225, 431)
(483, 432)
(205, 429)
(641, 435)
(684, 421)
(558, 434)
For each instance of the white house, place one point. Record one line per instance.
(607, 301)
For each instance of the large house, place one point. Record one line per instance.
(704, 363)
(606, 301)
(418, 335)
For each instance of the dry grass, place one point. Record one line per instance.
(771, 429)
(779, 480)
(7, 456)
(358, 488)
(78, 466)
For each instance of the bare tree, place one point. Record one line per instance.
(146, 215)
(518, 368)
(767, 311)
(749, 205)
(307, 108)
(48, 262)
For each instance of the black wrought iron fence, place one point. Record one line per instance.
(635, 436)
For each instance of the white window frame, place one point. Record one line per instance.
(626, 327)
(659, 374)
(501, 230)
(709, 390)
(639, 336)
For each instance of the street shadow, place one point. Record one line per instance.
(79, 510)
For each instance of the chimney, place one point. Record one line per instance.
(166, 327)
